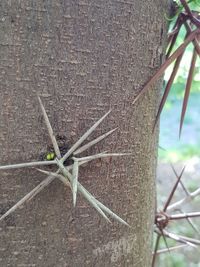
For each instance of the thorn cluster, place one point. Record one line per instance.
(165, 216)
(68, 175)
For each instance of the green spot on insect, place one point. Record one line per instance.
(50, 156)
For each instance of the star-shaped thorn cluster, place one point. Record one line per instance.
(68, 175)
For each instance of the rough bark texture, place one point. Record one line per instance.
(83, 58)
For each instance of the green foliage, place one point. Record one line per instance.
(177, 8)
(183, 153)
(193, 4)
(192, 185)
(176, 151)
(176, 260)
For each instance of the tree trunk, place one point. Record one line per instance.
(83, 58)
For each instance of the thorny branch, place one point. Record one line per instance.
(190, 20)
(164, 217)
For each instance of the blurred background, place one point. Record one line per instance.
(180, 152)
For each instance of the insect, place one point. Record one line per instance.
(63, 147)
(50, 156)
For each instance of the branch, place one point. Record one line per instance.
(184, 200)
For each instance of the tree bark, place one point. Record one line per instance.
(83, 58)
